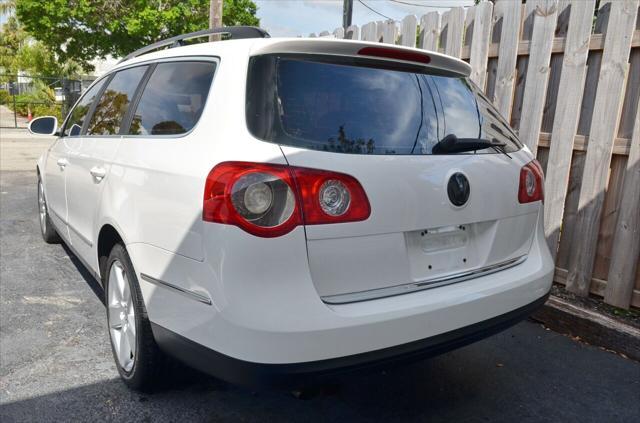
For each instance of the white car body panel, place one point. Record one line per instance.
(265, 293)
(84, 191)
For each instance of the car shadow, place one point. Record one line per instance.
(94, 285)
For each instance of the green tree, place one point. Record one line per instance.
(12, 39)
(83, 30)
(20, 52)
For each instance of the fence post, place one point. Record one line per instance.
(544, 17)
(15, 112)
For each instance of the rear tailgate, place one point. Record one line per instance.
(378, 120)
(414, 233)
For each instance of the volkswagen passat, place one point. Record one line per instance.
(272, 209)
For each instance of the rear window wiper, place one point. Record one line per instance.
(452, 144)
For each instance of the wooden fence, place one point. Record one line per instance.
(567, 77)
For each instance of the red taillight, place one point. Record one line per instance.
(394, 53)
(270, 200)
(531, 183)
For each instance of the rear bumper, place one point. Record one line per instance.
(266, 310)
(282, 375)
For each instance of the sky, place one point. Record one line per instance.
(302, 17)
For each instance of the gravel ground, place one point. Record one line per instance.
(56, 365)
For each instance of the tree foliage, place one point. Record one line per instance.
(20, 52)
(83, 30)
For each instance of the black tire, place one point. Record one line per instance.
(48, 231)
(150, 365)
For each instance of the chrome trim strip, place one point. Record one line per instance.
(187, 293)
(422, 285)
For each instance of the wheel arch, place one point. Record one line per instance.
(108, 237)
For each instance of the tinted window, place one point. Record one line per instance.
(173, 99)
(79, 113)
(360, 108)
(115, 100)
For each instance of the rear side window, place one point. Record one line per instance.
(173, 98)
(350, 106)
(79, 113)
(114, 102)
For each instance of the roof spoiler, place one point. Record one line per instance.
(353, 48)
(231, 32)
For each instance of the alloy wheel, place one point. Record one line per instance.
(122, 319)
(42, 208)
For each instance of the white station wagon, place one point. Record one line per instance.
(271, 210)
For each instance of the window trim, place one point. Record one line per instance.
(199, 58)
(94, 106)
(98, 95)
(128, 117)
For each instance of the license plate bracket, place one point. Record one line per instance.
(436, 252)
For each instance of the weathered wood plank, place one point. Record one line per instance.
(470, 15)
(566, 248)
(353, 33)
(544, 25)
(565, 122)
(509, 12)
(409, 27)
(369, 32)
(558, 46)
(607, 109)
(555, 71)
(389, 32)
(555, 67)
(632, 96)
(429, 31)
(625, 254)
(621, 146)
(609, 217)
(522, 63)
(480, 42)
(453, 20)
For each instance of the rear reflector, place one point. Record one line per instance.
(393, 53)
(270, 200)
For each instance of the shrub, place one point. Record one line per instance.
(48, 110)
(41, 102)
(5, 97)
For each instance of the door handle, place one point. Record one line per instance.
(98, 173)
(62, 163)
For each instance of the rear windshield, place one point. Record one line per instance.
(351, 106)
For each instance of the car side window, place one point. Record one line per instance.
(114, 102)
(79, 113)
(173, 98)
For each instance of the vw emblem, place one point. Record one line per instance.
(458, 189)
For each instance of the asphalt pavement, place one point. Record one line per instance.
(56, 364)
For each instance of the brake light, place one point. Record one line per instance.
(394, 53)
(531, 183)
(270, 200)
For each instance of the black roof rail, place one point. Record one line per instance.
(232, 32)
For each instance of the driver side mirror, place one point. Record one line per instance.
(44, 125)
